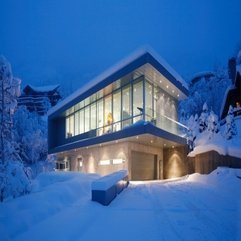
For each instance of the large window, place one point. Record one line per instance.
(120, 104)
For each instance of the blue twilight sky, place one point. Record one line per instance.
(69, 42)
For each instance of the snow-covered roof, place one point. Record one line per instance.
(124, 62)
(202, 74)
(45, 88)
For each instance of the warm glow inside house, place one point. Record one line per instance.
(126, 118)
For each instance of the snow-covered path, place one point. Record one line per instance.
(199, 208)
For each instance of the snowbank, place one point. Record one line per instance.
(202, 207)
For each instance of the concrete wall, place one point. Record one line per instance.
(175, 162)
(123, 150)
(205, 163)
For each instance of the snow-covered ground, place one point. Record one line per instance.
(198, 207)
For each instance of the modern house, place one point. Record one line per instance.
(39, 99)
(126, 118)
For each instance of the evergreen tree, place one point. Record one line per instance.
(203, 119)
(31, 134)
(13, 176)
(230, 127)
(213, 123)
(193, 130)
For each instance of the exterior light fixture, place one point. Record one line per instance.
(104, 162)
(118, 161)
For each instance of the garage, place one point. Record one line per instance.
(143, 166)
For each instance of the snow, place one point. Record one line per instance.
(46, 88)
(219, 143)
(108, 181)
(114, 69)
(202, 74)
(199, 207)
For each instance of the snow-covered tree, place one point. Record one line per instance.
(31, 134)
(203, 119)
(193, 130)
(230, 127)
(206, 90)
(213, 123)
(13, 176)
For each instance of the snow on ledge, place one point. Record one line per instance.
(108, 181)
(206, 148)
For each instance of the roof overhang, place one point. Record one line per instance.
(121, 69)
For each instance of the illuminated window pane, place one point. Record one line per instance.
(117, 110)
(67, 127)
(126, 102)
(100, 111)
(138, 98)
(108, 110)
(81, 121)
(71, 125)
(93, 116)
(148, 99)
(87, 118)
(76, 123)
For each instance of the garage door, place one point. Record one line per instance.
(143, 166)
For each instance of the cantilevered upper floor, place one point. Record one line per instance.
(137, 96)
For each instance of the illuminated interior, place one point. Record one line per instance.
(144, 94)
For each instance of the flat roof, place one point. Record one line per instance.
(125, 66)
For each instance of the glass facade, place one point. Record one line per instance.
(121, 104)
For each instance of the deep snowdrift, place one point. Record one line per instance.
(200, 207)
